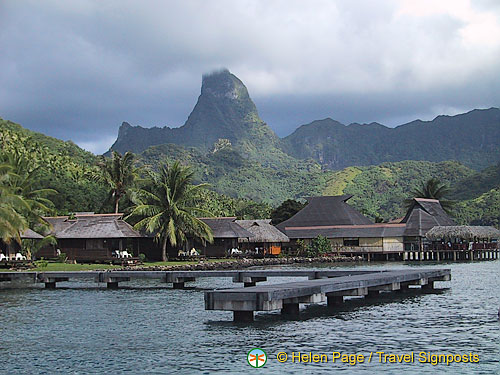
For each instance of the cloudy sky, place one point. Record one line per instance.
(77, 69)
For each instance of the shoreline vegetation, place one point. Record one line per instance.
(189, 265)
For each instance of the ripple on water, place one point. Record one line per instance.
(147, 328)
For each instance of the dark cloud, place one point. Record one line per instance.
(76, 70)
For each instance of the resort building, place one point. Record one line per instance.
(352, 233)
(226, 234)
(266, 240)
(89, 237)
(349, 231)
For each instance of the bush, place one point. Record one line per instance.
(142, 257)
(318, 246)
(62, 258)
(42, 263)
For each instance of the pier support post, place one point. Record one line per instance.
(290, 309)
(252, 281)
(403, 287)
(242, 316)
(429, 285)
(179, 282)
(50, 282)
(179, 285)
(334, 300)
(112, 285)
(111, 281)
(372, 293)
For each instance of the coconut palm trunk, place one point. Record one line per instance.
(164, 256)
(117, 201)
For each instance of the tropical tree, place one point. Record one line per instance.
(433, 189)
(12, 222)
(119, 173)
(21, 182)
(286, 210)
(165, 207)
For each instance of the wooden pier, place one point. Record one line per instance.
(177, 278)
(287, 296)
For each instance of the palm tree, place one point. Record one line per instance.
(119, 174)
(12, 222)
(165, 207)
(433, 189)
(21, 182)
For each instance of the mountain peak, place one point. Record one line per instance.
(223, 84)
(224, 110)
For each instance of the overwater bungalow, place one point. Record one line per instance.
(266, 240)
(89, 237)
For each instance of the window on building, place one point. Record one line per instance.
(351, 241)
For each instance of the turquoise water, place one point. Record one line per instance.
(148, 328)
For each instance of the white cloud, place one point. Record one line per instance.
(71, 68)
(98, 146)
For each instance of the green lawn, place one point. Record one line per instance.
(52, 266)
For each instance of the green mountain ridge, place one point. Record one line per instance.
(224, 110)
(471, 138)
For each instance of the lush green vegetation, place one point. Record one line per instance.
(61, 166)
(165, 206)
(286, 210)
(71, 172)
(119, 173)
(476, 184)
(433, 189)
(246, 188)
(229, 173)
(379, 191)
(482, 210)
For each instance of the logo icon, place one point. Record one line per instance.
(257, 358)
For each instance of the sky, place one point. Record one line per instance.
(77, 69)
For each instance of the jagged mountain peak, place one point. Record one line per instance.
(223, 84)
(224, 110)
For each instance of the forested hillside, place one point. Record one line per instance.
(379, 191)
(70, 170)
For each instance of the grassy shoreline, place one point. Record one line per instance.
(205, 264)
(57, 266)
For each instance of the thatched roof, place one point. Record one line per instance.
(226, 227)
(465, 232)
(30, 234)
(262, 230)
(85, 226)
(325, 211)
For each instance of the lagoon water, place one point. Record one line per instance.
(149, 328)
